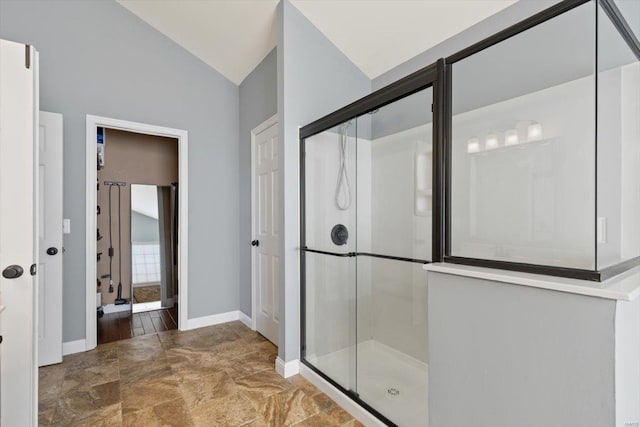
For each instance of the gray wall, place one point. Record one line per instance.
(314, 79)
(499, 21)
(98, 58)
(515, 355)
(258, 102)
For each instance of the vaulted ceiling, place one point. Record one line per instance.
(233, 36)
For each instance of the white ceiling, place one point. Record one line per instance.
(233, 36)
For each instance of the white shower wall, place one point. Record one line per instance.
(399, 288)
(535, 202)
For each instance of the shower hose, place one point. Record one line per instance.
(343, 191)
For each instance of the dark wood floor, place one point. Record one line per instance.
(124, 325)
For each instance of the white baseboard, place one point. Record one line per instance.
(246, 320)
(72, 347)
(357, 411)
(287, 369)
(214, 319)
(112, 308)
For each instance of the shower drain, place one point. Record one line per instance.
(393, 391)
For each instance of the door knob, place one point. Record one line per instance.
(52, 251)
(12, 272)
(255, 243)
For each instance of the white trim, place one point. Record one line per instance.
(141, 307)
(287, 369)
(112, 308)
(271, 121)
(72, 347)
(214, 319)
(624, 287)
(246, 320)
(357, 411)
(92, 122)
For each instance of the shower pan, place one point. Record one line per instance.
(367, 203)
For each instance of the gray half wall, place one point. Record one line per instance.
(98, 58)
(515, 355)
(314, 79)
(258, 102)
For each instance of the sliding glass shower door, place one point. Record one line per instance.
(367, 224)
(330, 264)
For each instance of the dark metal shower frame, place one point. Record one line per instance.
(627, 34)
(431, 76)
(438, 76)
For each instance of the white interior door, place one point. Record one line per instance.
(50, 240)
(18, 243)
(266, 214)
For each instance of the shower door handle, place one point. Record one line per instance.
(255, 243)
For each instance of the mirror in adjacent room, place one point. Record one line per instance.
(153, 247)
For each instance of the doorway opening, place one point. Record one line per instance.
(136, 183)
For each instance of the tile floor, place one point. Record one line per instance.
(217, 376)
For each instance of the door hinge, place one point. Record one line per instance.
(33, 270)
(27, 56)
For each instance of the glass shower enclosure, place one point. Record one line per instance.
(518, 153)
(367, 204)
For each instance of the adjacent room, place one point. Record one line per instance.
(325, 213)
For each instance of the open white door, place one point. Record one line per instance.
(50, 240)
(18, 243)
(266, 223)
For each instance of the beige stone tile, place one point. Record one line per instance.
(178, 355)
(151, 340)
(300, 382)
(177, 340)
(50, 379)
(218, 334)
(261, 385)
(134, 372)
(250, 364)
(217, 376)
(218, 385)
(263, 346)
(287, 408)
(45, 417)
(188, 364)
(144, 349)
(232, 410)
(323, 401)
(147, 393)
(83, 378)
(233, 349)
(168, 414)
(98, 356)
(80, 404)
(354, 423)
(51, 376)
(336, 417)
(110, 416)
